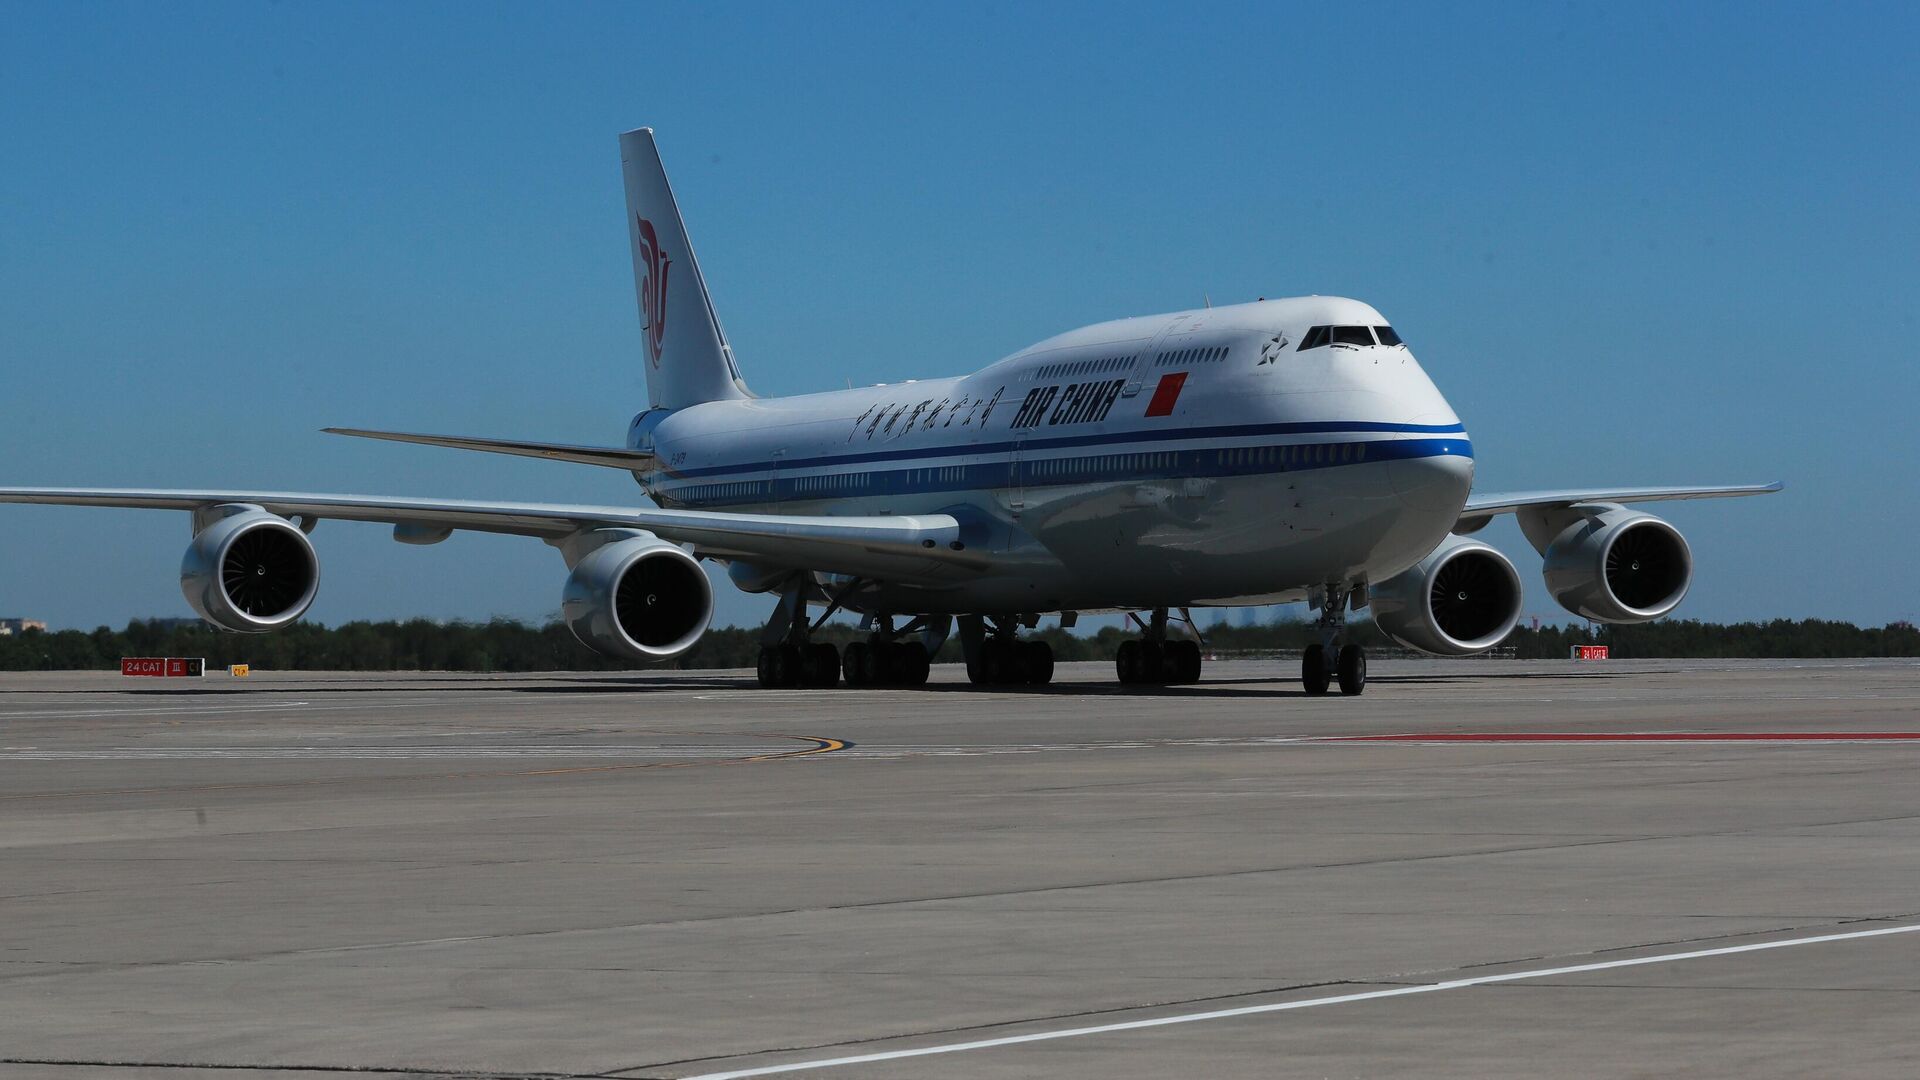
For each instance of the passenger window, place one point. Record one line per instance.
(1315, 338)
(1352, 335)
(1387, 336)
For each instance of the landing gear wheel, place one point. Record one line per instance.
(1315, 672)
(781, 666)
(822, 667)
(856, 663)
(1353, 670)
(1183, 657)
(1127, 662)
(1038, 657)
(998, 665)
(911, 664)
(1153, 662)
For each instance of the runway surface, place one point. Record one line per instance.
(1484, 868)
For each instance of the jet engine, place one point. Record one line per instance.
(250, 571)
(1460, 600)
(637, 596)
(1611, 564)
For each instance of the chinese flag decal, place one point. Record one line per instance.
(1166, 394)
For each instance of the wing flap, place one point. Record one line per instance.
(612, 457)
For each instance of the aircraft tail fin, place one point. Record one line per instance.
(688, 358)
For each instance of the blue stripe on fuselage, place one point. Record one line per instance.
(1039, 472)
(1155, 434)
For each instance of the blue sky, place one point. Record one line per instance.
(1632, 244)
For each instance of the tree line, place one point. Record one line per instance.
(505, 645)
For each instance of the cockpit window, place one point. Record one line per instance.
(1346, 335)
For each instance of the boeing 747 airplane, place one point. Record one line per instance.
(1273, 452)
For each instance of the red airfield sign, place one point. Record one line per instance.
(164, 667)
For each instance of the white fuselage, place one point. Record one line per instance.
(1204, 457)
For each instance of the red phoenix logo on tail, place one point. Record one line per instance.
(653, 288)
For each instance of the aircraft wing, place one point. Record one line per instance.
(613, 457)
(921, 548)
(1480, 508)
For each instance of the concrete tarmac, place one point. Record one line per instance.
(1481, 868)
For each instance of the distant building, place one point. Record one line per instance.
(21, 626)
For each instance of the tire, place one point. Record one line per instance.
(1314, 670)
(773, 666)
(792, 666)
(1039, 662)
(1153, 663)
(996, 665)
(1353, 670)
(856, 663)
(1185, 660)
(1127, 662)
(915, 664)
(823, 666)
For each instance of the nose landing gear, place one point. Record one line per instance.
(1328, 662)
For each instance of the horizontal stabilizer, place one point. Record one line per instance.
(610, 456)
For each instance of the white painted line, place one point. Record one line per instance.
(1285, 1006)
(691, 752)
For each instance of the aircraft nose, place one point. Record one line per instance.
(1437, 480)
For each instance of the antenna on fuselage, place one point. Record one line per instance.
(1208, 300)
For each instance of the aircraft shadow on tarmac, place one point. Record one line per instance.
(630, 684)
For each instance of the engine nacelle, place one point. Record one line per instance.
(1460, 600)
(636, 596)
(250, 571)
(1616, 565)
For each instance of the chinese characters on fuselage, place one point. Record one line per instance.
(889, 419)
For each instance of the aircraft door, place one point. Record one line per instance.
(1016, 477)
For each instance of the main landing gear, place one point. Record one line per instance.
(788, 655)
(789, 658)
(997, 657)
(792, 665)
(1153, 660)
(1328, 662)
(880, 662)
